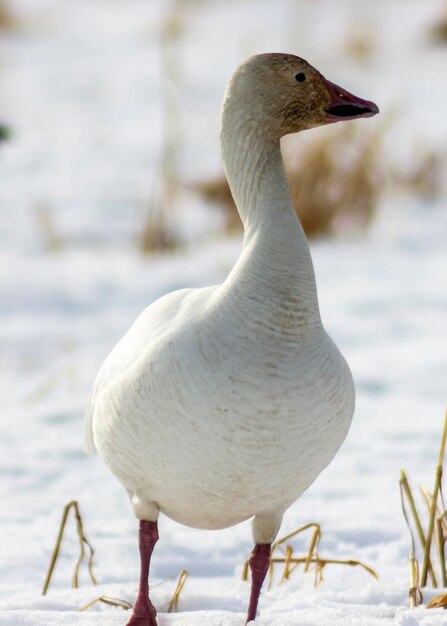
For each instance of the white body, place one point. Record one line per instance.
(227, 402)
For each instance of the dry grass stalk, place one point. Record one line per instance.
(123, 604)
(65, 374)
(439, 602)
(444, 512)
(313, 547)
(44, 220)
(158, 232)
(414, 593)
(291, 562)
(287, 561)
(407, 493)
(440, 545)
(437, 527)
(245, 571)
(428, 499)
(431, 521)
(322, 562)
(289, 551)
(173, 604)
(440, 530)
(83, 541)
(282, 541)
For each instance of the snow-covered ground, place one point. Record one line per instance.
(79, 84)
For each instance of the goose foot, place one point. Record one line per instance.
(259, 565)
(144, 613)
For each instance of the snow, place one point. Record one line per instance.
(80, 88)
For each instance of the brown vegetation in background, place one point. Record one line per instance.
(360, 41)
(157, 232)
(425, 179)
(335, 180)
(438, 31)
(6, 18)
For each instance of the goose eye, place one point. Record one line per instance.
(300, 77)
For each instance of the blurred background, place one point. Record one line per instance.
(112, 194)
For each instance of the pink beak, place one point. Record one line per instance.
(346, 106)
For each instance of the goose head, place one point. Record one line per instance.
(284, 94)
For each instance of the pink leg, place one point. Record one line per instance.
(144, 613)
(259, 565)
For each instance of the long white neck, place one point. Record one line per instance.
(275, 264)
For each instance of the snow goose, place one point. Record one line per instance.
(225, 403)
